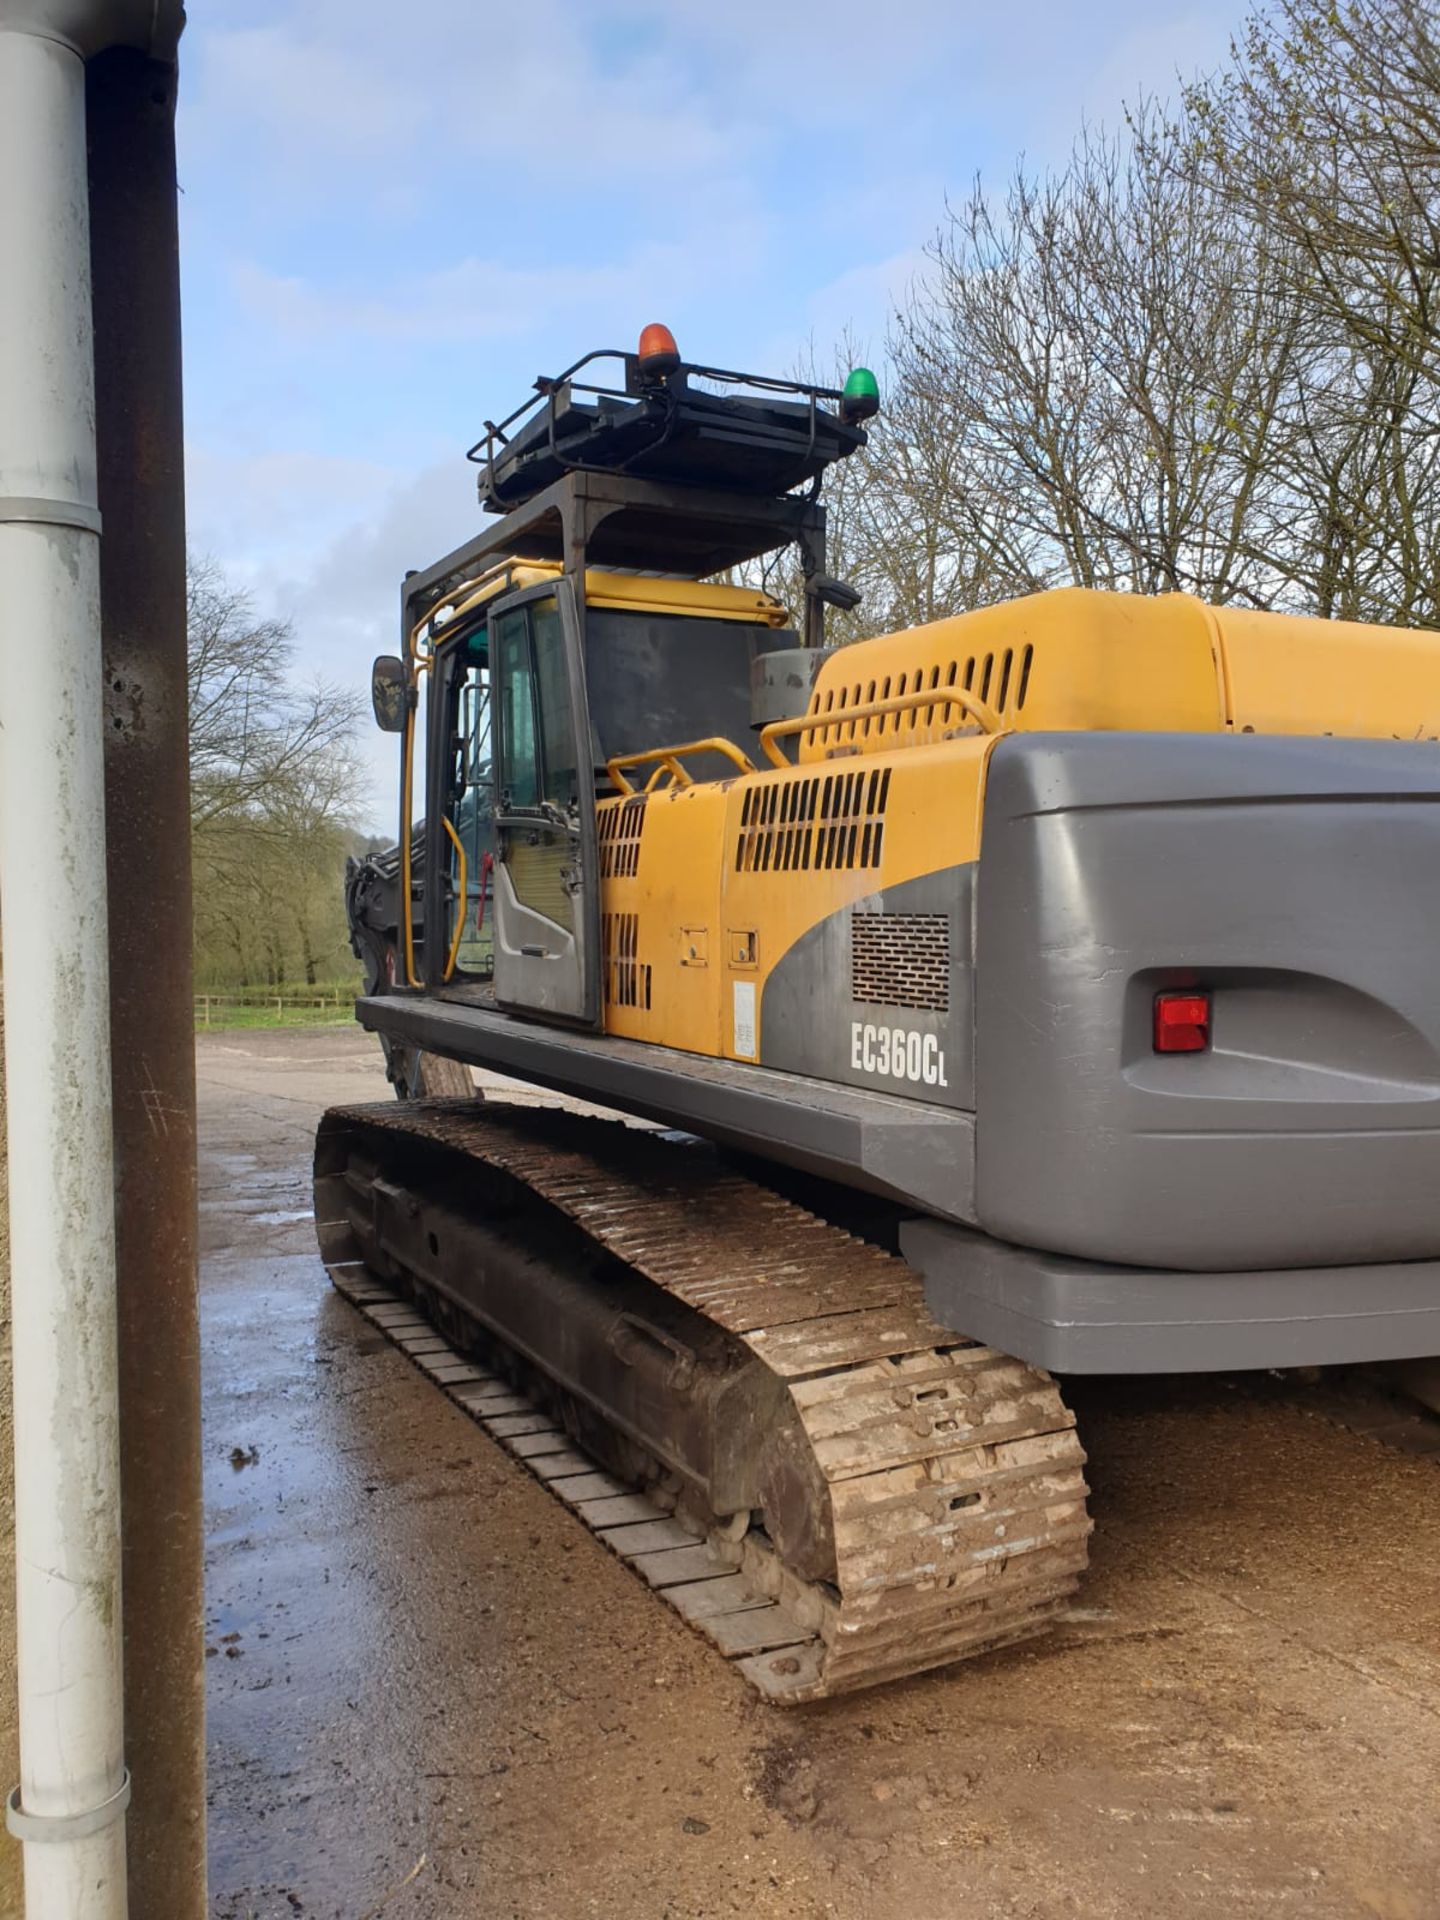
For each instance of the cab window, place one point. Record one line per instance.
(537, 745)
(519, 757)
(559, 774)
(472, 807)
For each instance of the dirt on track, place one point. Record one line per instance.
(433, 1694)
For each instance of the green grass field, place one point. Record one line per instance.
(324, 1006)
(229, 1018)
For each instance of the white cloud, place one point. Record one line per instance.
(335, 572)
(861, 300)
(1154, 59)
(477, 300)
(258, 510)
(345, 96)
(352, 589)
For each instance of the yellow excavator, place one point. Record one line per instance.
(1049, 989)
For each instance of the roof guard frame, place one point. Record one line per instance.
(580, 521)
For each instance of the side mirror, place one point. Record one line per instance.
(389, 693)
(835, 593)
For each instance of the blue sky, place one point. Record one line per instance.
(395, 217)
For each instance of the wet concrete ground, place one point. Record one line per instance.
(433, 1695)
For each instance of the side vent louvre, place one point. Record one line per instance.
(1001, 679)
(627, 979)
(834, 821)
(618, 827)
(901, 960)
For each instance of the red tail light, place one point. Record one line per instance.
(1182, 1022)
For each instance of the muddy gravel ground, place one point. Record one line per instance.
(432, 1694)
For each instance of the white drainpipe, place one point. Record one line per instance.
(69, 1807)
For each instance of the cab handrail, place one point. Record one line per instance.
(668, 759)
(970, 703)
(462, 889)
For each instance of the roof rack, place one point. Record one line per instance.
(765, 436)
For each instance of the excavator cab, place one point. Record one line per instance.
(585, 627)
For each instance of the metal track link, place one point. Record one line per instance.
(952, 1474)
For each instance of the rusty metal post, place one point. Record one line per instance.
(130, 103)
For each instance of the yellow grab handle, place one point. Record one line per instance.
(970, 703)
(669, 762)
(463, 890)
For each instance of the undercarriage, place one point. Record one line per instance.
(832, 1487)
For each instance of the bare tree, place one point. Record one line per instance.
(1326, 130)
(255, 736)
(1324, 135)
(1205, 355)
(902, 525)
(1101, 358)
(274, 780)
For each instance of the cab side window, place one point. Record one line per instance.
(472, 809)
(520, 782)
(561, 782)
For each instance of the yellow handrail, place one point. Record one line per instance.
(970, 703)
(480, 589)
(462, 889)
(407, 832)
(669, 762)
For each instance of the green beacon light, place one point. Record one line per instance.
(860, 396)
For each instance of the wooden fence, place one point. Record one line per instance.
(210, 1005)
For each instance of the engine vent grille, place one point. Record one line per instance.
(618, 828)
(627, 979)
(832, 821)
(901, 960)
(1000, 679)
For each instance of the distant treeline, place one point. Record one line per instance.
(274, 781)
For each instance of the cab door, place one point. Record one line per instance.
(547, 898)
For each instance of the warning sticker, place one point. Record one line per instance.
(745, 1019)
